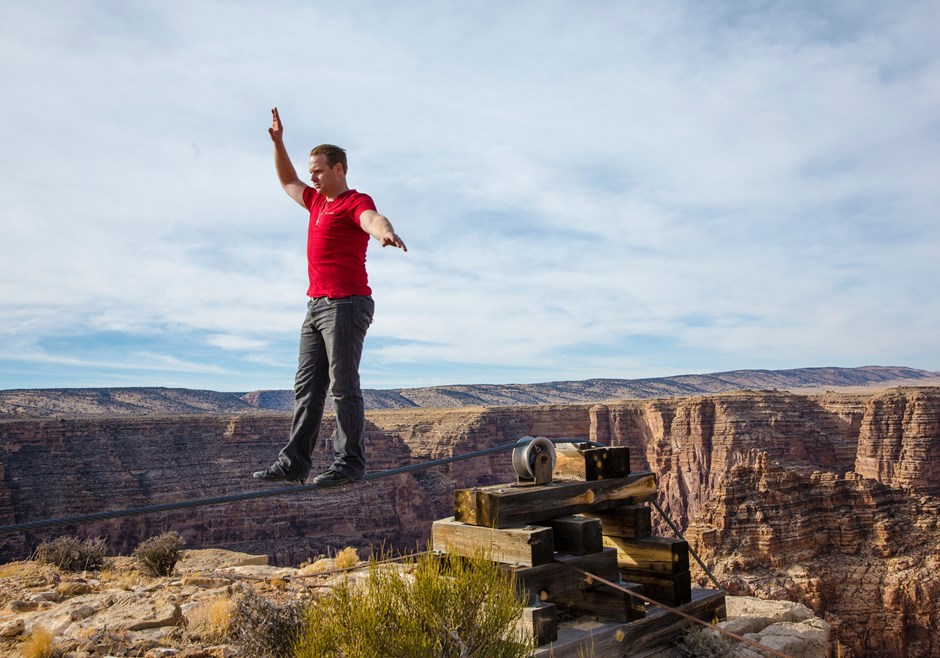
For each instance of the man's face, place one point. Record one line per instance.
(326, 180)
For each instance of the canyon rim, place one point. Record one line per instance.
(829, 499)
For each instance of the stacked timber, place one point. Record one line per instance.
(584, 516)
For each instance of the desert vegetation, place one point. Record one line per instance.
(339, 605)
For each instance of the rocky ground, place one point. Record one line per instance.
(119, 612)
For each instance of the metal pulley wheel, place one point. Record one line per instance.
(529, 450)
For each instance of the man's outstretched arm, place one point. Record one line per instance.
(381, 229)
(282, 164)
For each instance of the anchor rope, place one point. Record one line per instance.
(675, 529)
(676, 611)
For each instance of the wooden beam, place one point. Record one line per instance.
(548, 581)
(629, 521)
(578, 535)
(465, 505)
(540, 622)
(658, 629)
(504, 506)
(529, 545)
(579, 461)
(602, 601)
(664, 554)
(670, 588)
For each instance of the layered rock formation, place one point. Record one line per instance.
(828, 499)
(58, 402)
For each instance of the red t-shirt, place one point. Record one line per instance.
(336, 244)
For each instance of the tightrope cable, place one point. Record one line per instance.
(78, 519)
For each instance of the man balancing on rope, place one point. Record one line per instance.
(339, 311)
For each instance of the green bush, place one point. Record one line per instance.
(262, 629)
(158, 555)
(72, 554)
(431, 606)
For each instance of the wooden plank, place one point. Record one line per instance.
(665, 554)
(529, 545)
(670, 588)
(629, 521)
(540, 622)
(578, 535)
(545, 582)
(504, 506)
(658, 629)
(579, 461)
(602, 601)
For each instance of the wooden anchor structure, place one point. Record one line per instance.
(576, 517)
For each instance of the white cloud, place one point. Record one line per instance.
(571, 179)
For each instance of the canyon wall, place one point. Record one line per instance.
(830, 499)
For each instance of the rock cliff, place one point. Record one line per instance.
(829, 499)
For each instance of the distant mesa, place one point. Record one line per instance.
(58, 402)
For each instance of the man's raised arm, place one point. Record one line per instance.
(282, 164)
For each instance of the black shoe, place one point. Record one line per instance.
(274, 474)
(332, 479)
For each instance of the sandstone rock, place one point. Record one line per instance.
(806, 639)
(747, 614)
(259, 571)
(82, 612)
(210, 559)
(899, 438)
(46, 596)
(12, 628)
(137, 612)
(205, 583)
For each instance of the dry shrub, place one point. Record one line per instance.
(702, 643)
(321, 565)
(211, 621)
(122, 579)
(39, 644)
(20, 570)
(158, 555)
(68, 588)
(446, 608)
(72, 554)
(263, 629)
(346, 558)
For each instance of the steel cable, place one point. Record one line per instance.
(676, 611)
(78, 519)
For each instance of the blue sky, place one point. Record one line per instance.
(587, 189)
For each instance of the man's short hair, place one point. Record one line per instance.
(334, 155)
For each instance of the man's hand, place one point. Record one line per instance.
(392, 240)
(276, 130)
